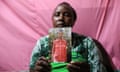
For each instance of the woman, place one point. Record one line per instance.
(84, 55)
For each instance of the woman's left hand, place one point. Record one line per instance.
(78, 67)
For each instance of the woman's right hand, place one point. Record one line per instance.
(42, 65)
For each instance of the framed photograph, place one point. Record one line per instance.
(60, 44)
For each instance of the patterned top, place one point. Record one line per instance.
(83, 49)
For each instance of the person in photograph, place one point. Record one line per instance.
(59, 49)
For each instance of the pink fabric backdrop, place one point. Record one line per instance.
(22, 22)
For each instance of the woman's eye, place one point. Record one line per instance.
(67, 14)
(56, 14)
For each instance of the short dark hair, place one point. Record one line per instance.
(73, 10)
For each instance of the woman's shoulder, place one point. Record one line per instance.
(43, 39)
(81, 37)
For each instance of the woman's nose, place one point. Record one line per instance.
(61, 17)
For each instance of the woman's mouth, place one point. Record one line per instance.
(60, 24)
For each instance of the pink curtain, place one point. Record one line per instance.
(23, 22)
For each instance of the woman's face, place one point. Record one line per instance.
(63, 16)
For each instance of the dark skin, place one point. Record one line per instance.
(42, 65)
(62, 17)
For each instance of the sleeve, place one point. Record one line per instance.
(35, 54)
(95, 58)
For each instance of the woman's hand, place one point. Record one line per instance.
(78, 67)
(42, 65)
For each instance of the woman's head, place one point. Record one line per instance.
(64, 15)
